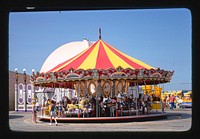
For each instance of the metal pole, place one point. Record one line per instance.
(34, 94)
(25, 98)
(78, 98)
(16, 90)
(137, 93)
(97, 101)
(98, 91)
(162, 105)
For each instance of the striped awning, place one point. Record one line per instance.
(100, 55)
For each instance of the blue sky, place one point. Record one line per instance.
(159, 37)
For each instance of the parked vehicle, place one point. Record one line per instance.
(185, 105)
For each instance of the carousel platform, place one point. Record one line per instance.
(127, 118)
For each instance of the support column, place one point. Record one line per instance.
(123, 87)
(79, 90)
(34, 94)
(33, 86)
(16, 97)
(113, 91)
(78, 95)
(98, 94)
(16, 90)
(137, 96)
(85, 89)
(25, 90)
(24, 94)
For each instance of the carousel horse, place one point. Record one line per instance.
(82, 104)
(71, 106)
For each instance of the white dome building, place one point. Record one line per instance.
(64, 53)
(59, 55)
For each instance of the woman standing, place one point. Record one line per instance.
(34, 111)
(43, 107)
(53, 112)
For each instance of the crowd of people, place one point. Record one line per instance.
(90, 106)
(172, 101)
(102, 106)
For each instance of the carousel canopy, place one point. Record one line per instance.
(101, 61)
(100, 55)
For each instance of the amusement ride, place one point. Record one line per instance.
(102, 78)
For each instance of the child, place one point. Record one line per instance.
(53, 112)
(60, 109)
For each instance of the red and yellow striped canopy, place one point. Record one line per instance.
(100, 56)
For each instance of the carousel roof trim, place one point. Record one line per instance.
(150, 76)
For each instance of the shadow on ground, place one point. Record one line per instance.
(172, 116)
(15, 116)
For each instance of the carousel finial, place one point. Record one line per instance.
(99, 33)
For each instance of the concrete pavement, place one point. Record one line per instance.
(177, 120)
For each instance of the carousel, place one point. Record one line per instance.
(107, 85)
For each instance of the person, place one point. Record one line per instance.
(92, 103)
(124, 102)
(167, 101)
(53, 112)
(48, 102)
(130, 102)
(60, 109)
(107, 102)
(146, 103)
(47, 107)
(171, 101)
(179, 101)
(114, 106)
(43, 107)
(34, 112)
(139, 103)
(64, 102)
